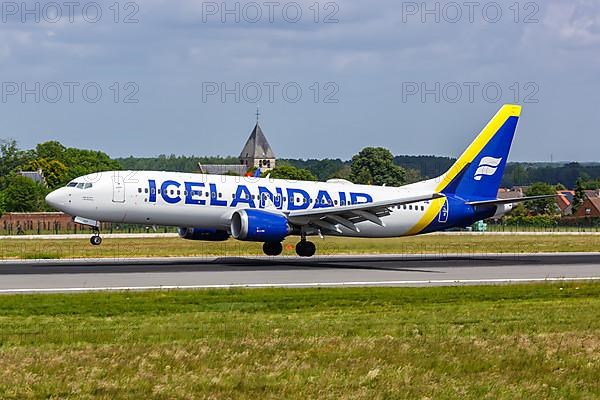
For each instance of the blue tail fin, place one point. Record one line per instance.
(478, 171)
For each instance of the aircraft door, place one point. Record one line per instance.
(118, 188)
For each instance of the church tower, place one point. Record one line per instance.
(257, 151)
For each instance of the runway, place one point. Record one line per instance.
(47, 276)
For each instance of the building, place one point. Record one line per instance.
(592, 193)
(36, 176)
(564, 201)
(223, 169)
(256, 153)
(516, 192)
(590, 208)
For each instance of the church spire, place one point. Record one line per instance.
(257, 151)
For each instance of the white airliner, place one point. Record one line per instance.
(215, 207)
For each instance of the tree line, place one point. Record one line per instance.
(58, 164)
(372, 165)
(416, 168)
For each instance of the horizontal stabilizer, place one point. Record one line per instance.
(509, 201)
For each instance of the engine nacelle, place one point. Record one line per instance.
(259, 226)
(209, 235)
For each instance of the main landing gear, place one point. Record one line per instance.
(303, 248)
(272, 248)
(96, 240)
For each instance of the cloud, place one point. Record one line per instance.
(369, 53)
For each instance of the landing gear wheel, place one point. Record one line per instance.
(96, 240)
(272, 248)
(305, 249)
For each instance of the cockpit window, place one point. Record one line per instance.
(80, 185)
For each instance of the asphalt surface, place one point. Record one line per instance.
(402, 270)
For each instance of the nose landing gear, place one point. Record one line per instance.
(96, 240)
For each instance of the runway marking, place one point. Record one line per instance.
(296, 285)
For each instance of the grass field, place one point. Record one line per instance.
(167, 247)
(497, 342)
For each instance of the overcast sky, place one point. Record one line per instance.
(185, 77)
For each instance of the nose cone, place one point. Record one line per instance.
(56, 199)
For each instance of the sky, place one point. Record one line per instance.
(186, 77)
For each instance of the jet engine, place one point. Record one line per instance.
(209, 235)
(259, 226)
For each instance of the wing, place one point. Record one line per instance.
(329, 218)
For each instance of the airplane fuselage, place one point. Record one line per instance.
(208, 201)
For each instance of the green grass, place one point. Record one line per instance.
(168, 247)
(496, 342)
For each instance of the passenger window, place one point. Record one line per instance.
(206, 193)
(214, 195)
(153, 190)
(422, 208)
(172, 192)
(139, 190)
(410, 207)
(220, 195)
(146, 190)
